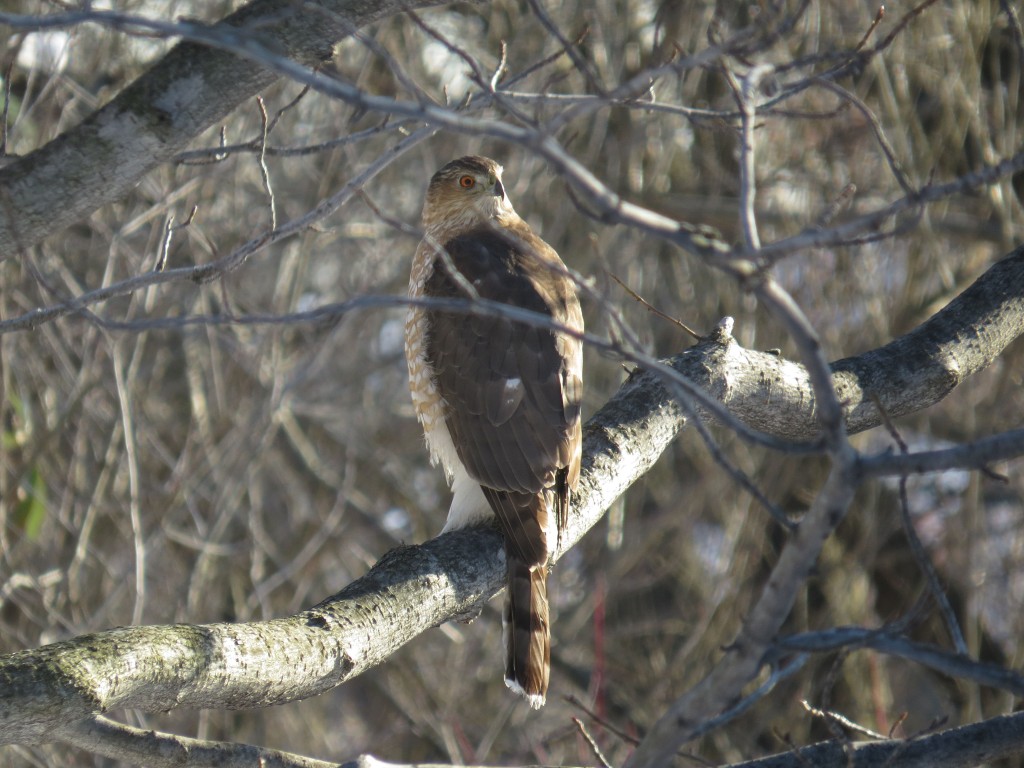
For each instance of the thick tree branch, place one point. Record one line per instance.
(906, 375)
(963, 747)
(417, 587)
(941, 353)
(190, 89)
(165, 750)
(969, 745)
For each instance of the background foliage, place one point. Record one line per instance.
(244, 471)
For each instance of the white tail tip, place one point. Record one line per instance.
(535, 699)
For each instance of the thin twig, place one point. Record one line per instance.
(601, 721)
(169, 229)
(777, 675)
(223, 150)
(874, 25)
(841, 201)
(584, 67)
(5, 115)
(834, 717)
(286, 108)
(264, 171)
(902, 24)
(746, 96)
(917, 548)
(651, 308)
(548, 60)
(596, 750)
(876, 128)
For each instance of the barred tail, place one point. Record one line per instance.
(526, 632)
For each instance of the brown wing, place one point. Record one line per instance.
(512, 391)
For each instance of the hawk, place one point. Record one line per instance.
(499, 400)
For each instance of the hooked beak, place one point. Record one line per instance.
(498, 190)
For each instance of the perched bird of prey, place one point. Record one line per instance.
(499, 400)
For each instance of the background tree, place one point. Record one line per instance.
(160, 468)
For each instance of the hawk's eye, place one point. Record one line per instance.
(467, 182)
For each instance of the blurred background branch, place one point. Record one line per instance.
(203, 409)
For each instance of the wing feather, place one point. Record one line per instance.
(511, 390)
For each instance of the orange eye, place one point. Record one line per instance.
(467, 182)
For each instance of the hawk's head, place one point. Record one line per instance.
(464, 194)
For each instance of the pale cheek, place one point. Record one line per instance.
(443, 218)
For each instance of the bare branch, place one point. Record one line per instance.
(953, 665)
(417, 587)
(227, 263)
(963, 747)
(152, 120)
(257, 430)
(979, 454)
(117, 741)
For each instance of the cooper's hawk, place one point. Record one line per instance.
(499, 400)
